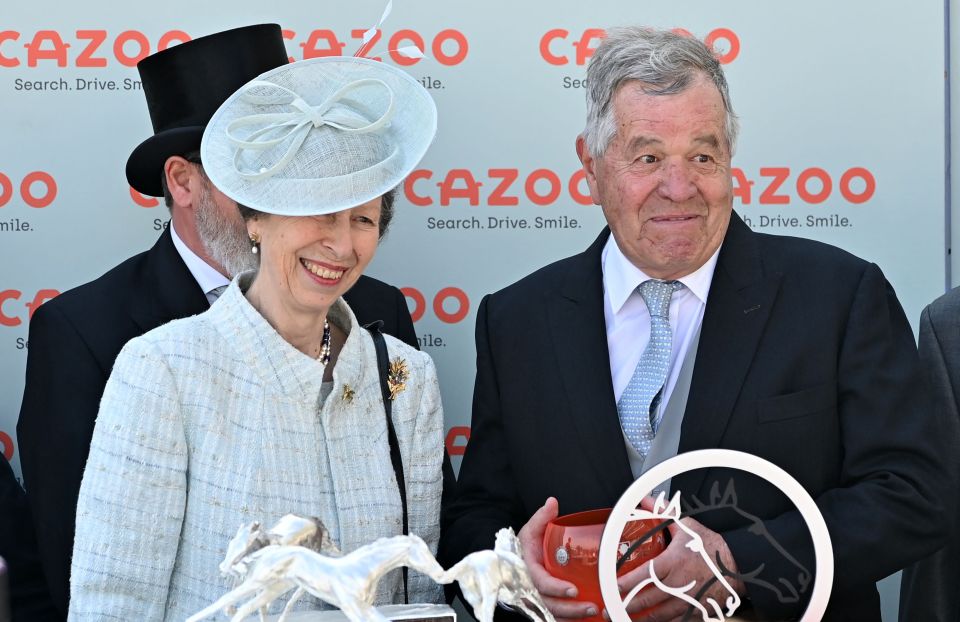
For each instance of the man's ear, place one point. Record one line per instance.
(589, 164)
(181, 182)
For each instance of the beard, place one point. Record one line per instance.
(225, 238)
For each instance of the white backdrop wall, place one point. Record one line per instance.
(843, 141)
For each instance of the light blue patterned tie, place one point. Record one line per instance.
(216, 292)
(638, 403)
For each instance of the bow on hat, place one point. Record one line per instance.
(337, 111)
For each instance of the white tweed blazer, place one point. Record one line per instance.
(215, 420)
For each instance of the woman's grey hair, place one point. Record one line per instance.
(662, 62)
(386, 211)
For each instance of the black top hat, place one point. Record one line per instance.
(185, 85)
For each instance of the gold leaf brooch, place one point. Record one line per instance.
(397, 377)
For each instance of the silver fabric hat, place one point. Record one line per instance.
(318, 136)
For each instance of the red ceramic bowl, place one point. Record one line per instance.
(571, 548)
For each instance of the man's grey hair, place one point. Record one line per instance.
(661, 62)
(224, 238)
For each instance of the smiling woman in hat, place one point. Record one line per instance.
(274, 400)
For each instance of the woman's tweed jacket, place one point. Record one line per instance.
(215, 420)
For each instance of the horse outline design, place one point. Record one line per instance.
(670, 512)
(819, 598)
(785, 591)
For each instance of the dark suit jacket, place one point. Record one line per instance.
(29, 597)
(74, 340)
(930, 589)
(805, 359)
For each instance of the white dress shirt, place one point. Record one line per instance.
(628, 319)
(203, 273)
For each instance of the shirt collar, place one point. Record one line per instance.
(621, 277)
(203, 273)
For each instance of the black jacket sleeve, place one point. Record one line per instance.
(64, 382)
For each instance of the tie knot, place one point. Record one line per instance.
(657, 295)
(216, 292)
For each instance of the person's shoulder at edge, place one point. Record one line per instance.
(945, 307)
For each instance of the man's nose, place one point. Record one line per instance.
(676, 182)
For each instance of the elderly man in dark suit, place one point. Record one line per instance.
(75, 338)
(681, 329)
(930, 589)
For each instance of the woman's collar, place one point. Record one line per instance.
(263, 349)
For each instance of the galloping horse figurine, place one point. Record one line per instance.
(500, 575)
(348, 582)
(291, 529)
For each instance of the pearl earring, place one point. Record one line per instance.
(255, 241)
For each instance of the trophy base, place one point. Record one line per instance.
(399, 613)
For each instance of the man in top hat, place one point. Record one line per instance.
(75, 338)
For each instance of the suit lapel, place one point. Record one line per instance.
(167, 289)
(578, 331)
(739, 304)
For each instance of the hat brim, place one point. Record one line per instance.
(145, 164)
(407, 136)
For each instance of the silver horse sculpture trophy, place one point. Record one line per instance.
(297, 553)
(500, 575)
(347, 582)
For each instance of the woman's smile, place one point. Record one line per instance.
(323, 273)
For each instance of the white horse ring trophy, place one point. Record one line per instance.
(298, 554)
(709, 609)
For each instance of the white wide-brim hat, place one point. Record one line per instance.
(318, 136)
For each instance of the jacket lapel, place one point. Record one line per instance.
(167, 289)
(738, 306)
(578, 331)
